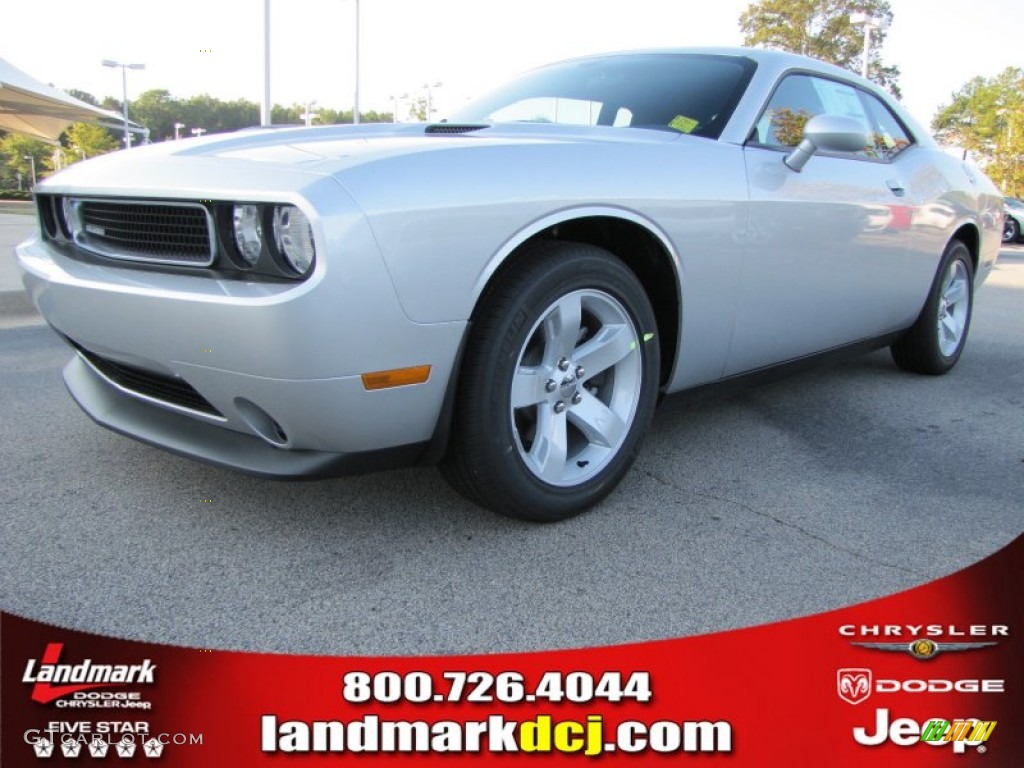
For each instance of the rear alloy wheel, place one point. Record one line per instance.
(558, 384)
(1011, 230)
(934, 343)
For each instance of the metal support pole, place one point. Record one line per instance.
(355, 111)
(124, 104)
(867, 50)
(265, 111)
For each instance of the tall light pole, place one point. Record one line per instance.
(396, 99)
(430, 97)
(355, 110)
(309, 114)
(265, 108)
(124, 87)
(32, 162)
(177, 130)
(860, 18)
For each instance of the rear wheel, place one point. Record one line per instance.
(934, 343)
(558, 384)
(1011, 230)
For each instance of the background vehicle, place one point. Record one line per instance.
(1014, 212)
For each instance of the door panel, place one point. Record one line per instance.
(826, 258)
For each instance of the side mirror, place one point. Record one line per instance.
(830, 133)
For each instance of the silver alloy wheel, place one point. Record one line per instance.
(1011, 230)
(954, 305)
(576, 387)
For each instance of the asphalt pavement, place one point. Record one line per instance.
(17, 222)
(823, 489)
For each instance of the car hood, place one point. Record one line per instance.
(305, 145)
(328, 150)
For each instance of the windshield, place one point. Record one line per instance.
(687, 93)
(1013, 202)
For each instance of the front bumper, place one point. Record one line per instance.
(213, 444)
(280, 364)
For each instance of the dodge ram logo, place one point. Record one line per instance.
(853, 685)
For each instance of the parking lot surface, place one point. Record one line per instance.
(823, 489)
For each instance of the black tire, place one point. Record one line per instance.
(534, 461)
(1011, 230)
(934, 343)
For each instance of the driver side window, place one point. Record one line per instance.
(801, 97)
(794, 102)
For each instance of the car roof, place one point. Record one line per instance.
(774, 60)
(772, 65)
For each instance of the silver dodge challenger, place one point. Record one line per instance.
(508, 293)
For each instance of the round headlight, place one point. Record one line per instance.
(294, 237)
(68, 223)
(248, 233)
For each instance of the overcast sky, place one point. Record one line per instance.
(216, 46)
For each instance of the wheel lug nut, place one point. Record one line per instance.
(559, 407)
(577, 399)
(580, 371)
(563, 364)
(550, 386)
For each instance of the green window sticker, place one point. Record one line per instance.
(683, 124)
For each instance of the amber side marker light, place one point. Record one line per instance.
(399, 377)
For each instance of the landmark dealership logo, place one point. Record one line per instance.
(52, 680)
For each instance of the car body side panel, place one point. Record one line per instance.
(827, 259)
(440, 250)
(837, 256)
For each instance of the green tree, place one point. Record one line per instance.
(822, 29)
(986, 117)
(157, 110)
(325, 116)
(418, 109)
(85, 96)
(15, 148)
(84, 140)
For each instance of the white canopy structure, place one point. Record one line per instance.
(43, 112)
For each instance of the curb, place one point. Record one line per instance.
(25, 208)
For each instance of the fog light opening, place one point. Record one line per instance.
(261, 422)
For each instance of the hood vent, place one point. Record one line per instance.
(454, 128)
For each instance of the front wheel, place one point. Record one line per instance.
(558, 384)
(934, 343)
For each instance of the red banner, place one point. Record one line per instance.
(928, 677)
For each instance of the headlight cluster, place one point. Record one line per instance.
(292, 243)
(248, 233)
(245, 240)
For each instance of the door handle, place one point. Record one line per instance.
(896, 188)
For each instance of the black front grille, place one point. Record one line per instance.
(159, 232)
(165, 388)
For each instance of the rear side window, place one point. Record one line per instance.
(801, 97)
